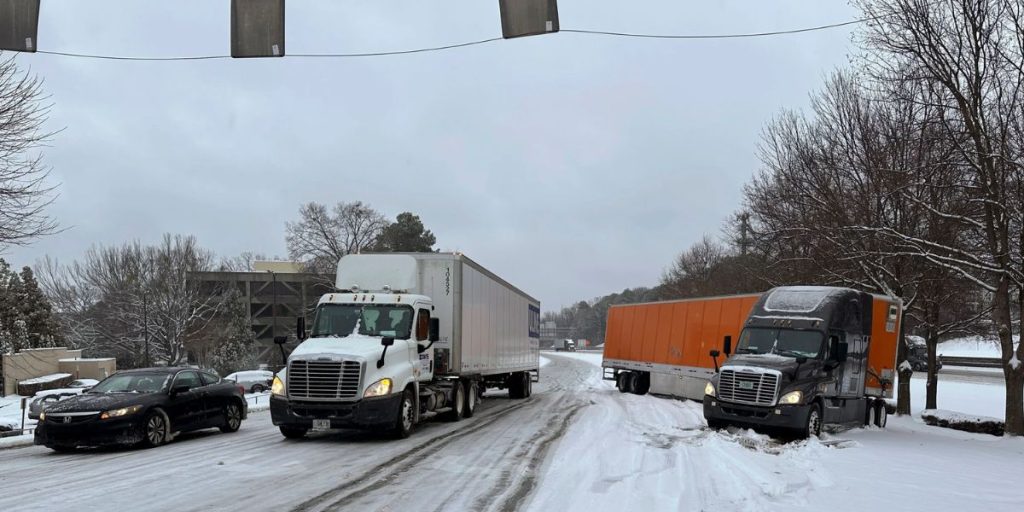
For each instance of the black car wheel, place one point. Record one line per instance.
(232, 418)
(154, 429)
(258, 388)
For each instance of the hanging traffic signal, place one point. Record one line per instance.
(528, 17)
(19, 23)
(257, 28)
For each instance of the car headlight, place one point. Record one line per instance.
(791, 398)
(380, 388)
(709, 389)
(277, 387)
(117, 413)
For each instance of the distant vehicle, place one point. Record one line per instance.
(255, 381)
(407, 337)
(806, 356)
(83, 383)
(917, 355)
(145, 407)
(565, 345)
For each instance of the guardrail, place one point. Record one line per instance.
(972, 362)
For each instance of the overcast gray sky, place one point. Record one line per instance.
(572, 165)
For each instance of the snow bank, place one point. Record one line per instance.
(974, 398)
(964, 422)
(16, 441)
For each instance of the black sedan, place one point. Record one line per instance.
(142, 407)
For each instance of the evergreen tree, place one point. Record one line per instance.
(40, 323)
(237, 350)
(406, 234)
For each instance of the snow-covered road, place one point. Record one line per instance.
(577, 444)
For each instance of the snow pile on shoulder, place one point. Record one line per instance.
(964, 422)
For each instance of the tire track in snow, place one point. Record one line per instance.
(381, 474)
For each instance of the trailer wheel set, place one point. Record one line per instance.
(638, 383)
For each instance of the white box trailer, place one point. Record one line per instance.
(436, 326)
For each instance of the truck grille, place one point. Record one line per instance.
(748, 387)
(324, 380)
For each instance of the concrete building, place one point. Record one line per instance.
(33, 363)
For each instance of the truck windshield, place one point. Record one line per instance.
(340, 320)
(784, 342)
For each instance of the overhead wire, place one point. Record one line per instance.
(746, 35)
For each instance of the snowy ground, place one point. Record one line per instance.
(577, 444)
(972, 346)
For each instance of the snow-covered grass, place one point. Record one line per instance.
(258, 401)
(982, 399)
(972, 346)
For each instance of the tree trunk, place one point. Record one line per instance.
(904, 371)
(933, 373)
(1013, 368)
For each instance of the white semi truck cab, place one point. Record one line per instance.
(401, 342)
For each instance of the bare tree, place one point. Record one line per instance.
(24, 192)
(969, 53)
(321, 237)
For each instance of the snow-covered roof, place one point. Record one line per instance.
(797, 299)
(46, 378)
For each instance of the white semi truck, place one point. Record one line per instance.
(405, 338)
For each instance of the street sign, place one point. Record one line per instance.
(257, 28)
(521, 18)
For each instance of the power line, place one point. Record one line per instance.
(747, 35)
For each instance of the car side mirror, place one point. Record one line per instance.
(300, 328)
(727, 345)
(434, 332)
(177, 390)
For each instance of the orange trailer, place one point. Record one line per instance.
(671, 340)
(805, 356)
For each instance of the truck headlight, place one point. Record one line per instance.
(791, 398)
(709, 389)
(380, 388)
(42, 417)
(277, 387)
(117, 413)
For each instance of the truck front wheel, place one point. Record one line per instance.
(406, 416)
(881, 414)
(813, 426)
(293, 432)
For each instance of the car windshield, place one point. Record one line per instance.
(132, 383)
(784, 342)
(340, 320)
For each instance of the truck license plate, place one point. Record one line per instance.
(746, 385)
(321, 425)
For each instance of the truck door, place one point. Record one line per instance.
(424, 360)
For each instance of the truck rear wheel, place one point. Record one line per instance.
(641, 383)
(528, 384)
(518, 383)
(458, 402)
(472, 398)
(620, 381)
(881, 414)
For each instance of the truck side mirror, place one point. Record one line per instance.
(280, 340)
(434, 332)
(727, 345)
(714, 358)
(300, 328)
(387, 341)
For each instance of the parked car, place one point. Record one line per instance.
(83, 383)
(142, 407)
(256, 381)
